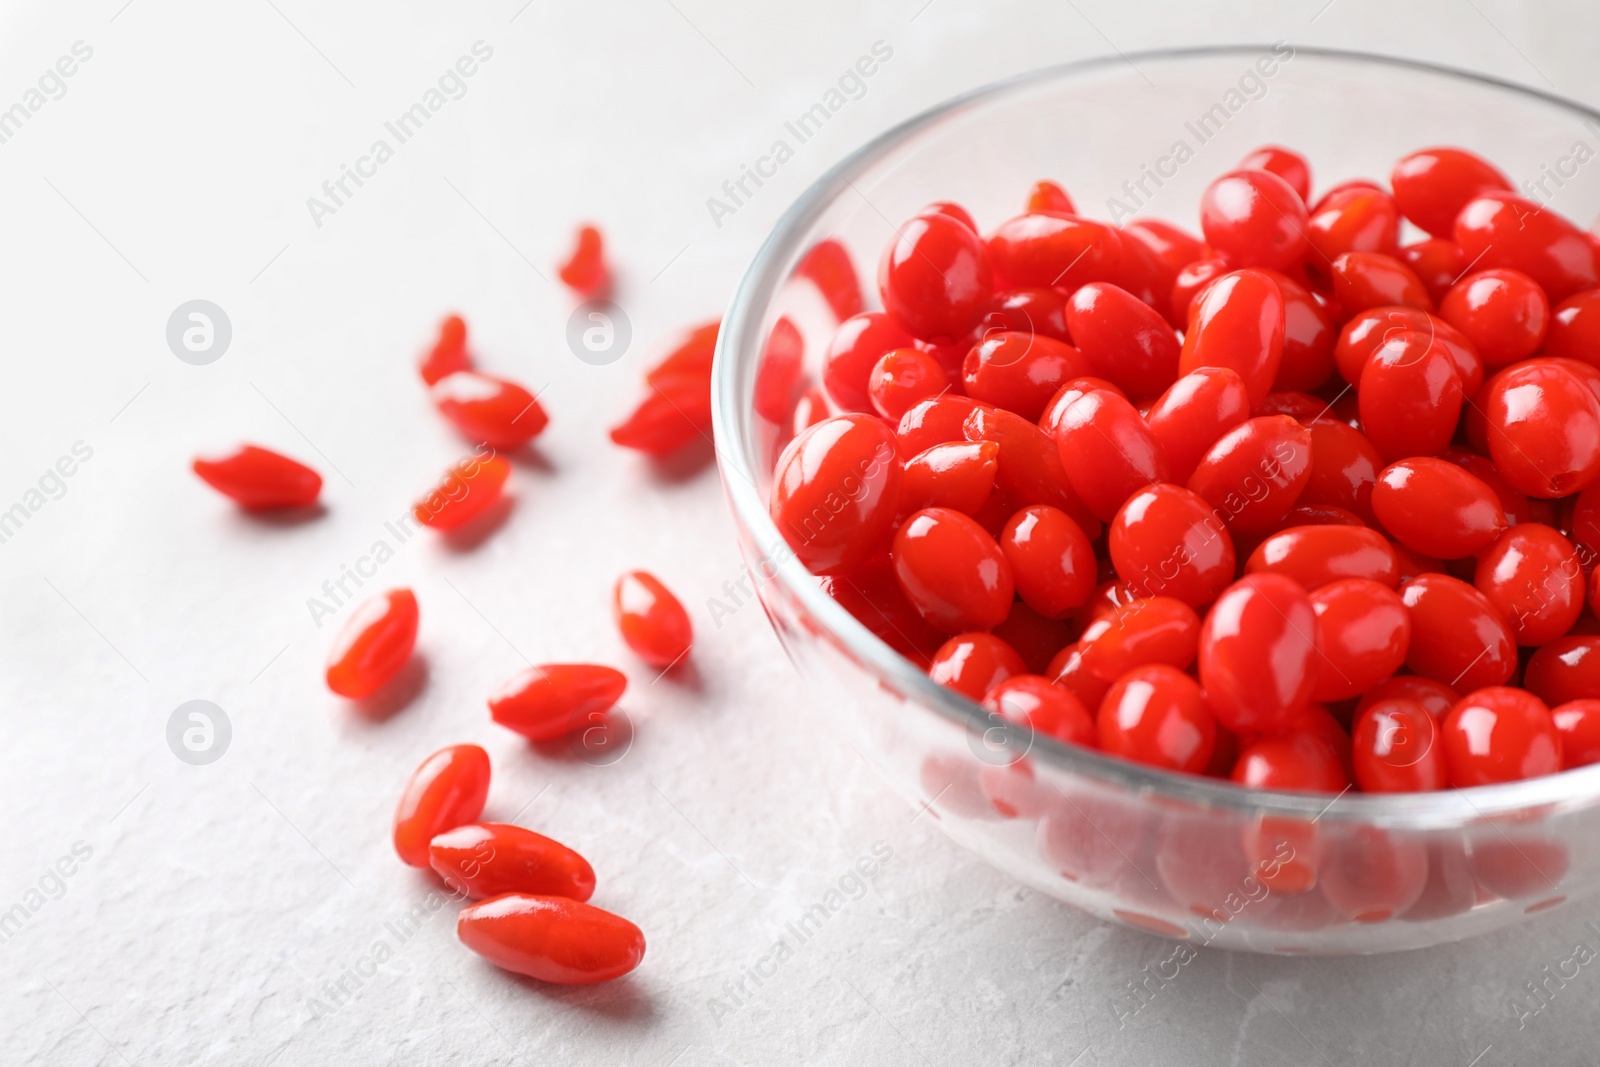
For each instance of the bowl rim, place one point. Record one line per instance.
(1445, 809)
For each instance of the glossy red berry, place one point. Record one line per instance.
(1395, 748)
(1047, 195)
(1344, 468)
(1145, 274)
(1294, 763)
(1050, 421)
(1364, 331)
(1155, 630)
(1069, 669)
(691, 358)
(373, 644)
(1255, 472)
(1457, 636)
(1500, 229)
(553, 939)
(856, 346)
(1175, 248)
(1352, 220)
(260, 479)
(1518, 507)
(1123, 339)
(1301, 407)
(900, 378)
(779, 372)
(1258, 653)
(1237, 323)
(652, 621)
(1437, 263)
(1433, 185)
(468, 490)
(873, 596)
(1303, 514)
(1544, 428)
(1577, 724)
(489, 858)
(1410, 397)
(449, 351)
(1052, 560)
(1031, 467)
(555, 699)
(835, 492)
(1193, 413)
(1565, 670)
(1031, 700)
(951, 209)
(1499, 734)
(1437, 508)
(675, 413)
(1503, 313)
(828, 266)
(1037, 310)
(952, 571)
(1364, 631)
(935, 278)
(1168, 541)
(1365, 280)
(1156, 715)
(1053, 250)
(1436, 698)
(1255, 218)
(448, 790)
(1019, 371)
(585, 271)
(1532, 576)
(1107, 451)
(973, 664)
(1191, 280)
(487, 409)
(1286, 163)
(957, 474)
(934, 421)
(1309, 333)
(1314, 556)
(1574, 330)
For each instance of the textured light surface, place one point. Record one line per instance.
(221, 905)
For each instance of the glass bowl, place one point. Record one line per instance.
(1180, 856)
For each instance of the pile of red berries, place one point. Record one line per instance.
(532, 914)
(1296, 504)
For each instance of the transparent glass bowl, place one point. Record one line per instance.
(1180, 856)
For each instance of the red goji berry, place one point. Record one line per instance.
(585, 272)
(448, 353)
(490, 410)
(553, 939)
(469, 488)
(374, 644)
(554, 699)
(489, 858)
(651, 619)
(260, 479)
(448, 790)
